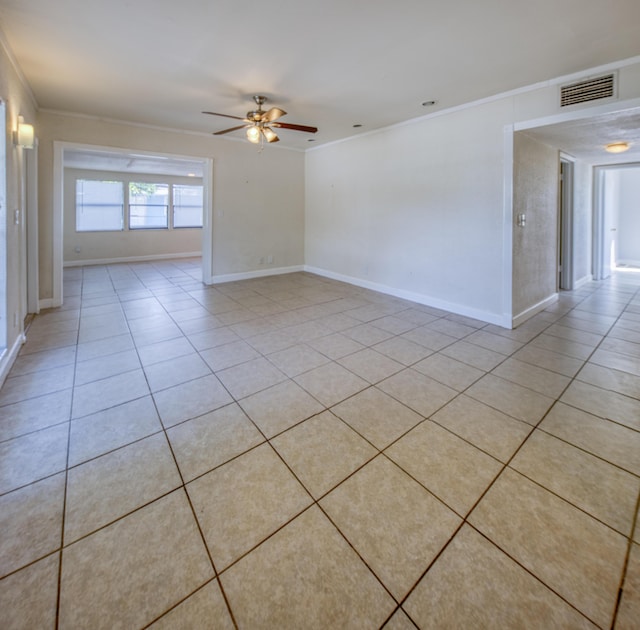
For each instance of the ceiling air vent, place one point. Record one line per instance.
(589, 90)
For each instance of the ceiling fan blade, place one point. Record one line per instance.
(295, 127)
(225, 115)
(273, 114)
(220, 133)
(270, 134)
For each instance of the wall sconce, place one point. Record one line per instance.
(24, 136)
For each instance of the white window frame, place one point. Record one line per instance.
(173, 207)
(126, 180)
(122, 213)
(168, 223)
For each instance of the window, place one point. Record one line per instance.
(105, 205)
(148, 205)
(187, 206)
(99, 205)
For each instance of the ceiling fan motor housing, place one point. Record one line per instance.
(256, 114)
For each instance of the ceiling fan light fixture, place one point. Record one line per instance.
(259, 123)
(253, 134)
(617, 147)
(270, 134)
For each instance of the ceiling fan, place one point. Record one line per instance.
(260, 123)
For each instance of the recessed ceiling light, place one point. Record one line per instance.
(429, 103)
(617, 147)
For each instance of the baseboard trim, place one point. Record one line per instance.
(46, 303)
(484, 316)
(8, 357)
(627, 262)
(127, 259)
(261, 273)
(528, 313)
(584, 280)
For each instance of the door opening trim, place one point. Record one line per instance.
(59, 147)
(565, 237)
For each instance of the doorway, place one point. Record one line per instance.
(616, 234)
(565, 224)
(64, 152)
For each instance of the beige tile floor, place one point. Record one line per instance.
(294, 452)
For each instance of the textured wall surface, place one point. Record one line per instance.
(535, 246)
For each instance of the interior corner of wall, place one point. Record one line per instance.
(528, 313)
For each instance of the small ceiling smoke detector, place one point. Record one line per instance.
(617, 147)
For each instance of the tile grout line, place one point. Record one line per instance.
(630, 543)
(66, 475)
(193, 512)
(354, 472)
(315, 503)
(505, 466)
(630, 537)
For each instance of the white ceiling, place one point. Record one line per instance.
(329, 63)
(103, 160)
(586, 138)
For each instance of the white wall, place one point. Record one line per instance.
(416, 208)
(424, 209)
(258, 198)
(611, 217)
(18, 99)
(629, 216)
(582, 223)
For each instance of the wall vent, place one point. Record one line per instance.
(589, 90)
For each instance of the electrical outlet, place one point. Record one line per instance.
(262, 260)
(270, 260)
